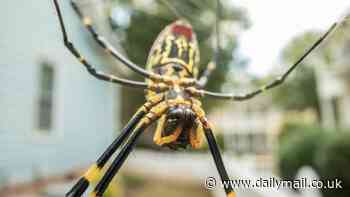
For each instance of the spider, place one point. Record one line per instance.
(173, 91)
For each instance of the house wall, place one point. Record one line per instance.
(83, 106)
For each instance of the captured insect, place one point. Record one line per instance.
(174, 89)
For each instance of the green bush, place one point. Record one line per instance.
(326, 151)
(297, 148)
(333, 162)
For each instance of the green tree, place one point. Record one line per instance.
(300, 91)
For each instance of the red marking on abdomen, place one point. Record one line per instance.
(182, 30)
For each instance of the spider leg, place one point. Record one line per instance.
(108, 47)
(98, 74)
(117, 163)
(202, 81)
(153, 115)
(95, 170)
(278, 81)
(214, 149)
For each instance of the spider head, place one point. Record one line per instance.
(179, 115)
(176, 126)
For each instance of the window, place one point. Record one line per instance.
(45, 105)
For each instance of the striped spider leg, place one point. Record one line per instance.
(278, 81)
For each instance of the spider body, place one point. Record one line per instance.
(173, 88)
(175, 54)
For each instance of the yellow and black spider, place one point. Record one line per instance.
(174, 88)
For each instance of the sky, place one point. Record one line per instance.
(276, 22)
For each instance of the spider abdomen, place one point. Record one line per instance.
(175, 51)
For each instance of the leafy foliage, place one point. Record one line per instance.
(326, 151)
(297, 148)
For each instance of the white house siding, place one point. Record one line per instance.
(83, 106)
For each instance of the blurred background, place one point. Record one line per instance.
(55, 119)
